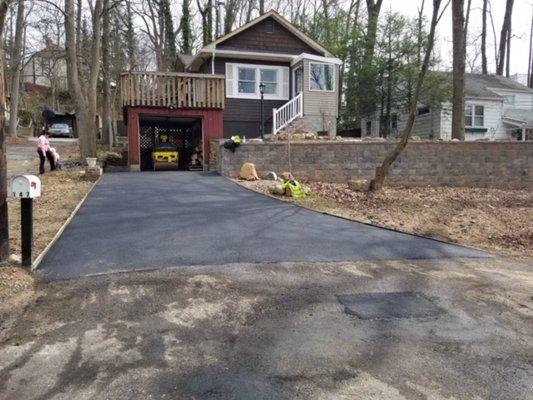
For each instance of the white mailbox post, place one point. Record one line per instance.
(26, 187)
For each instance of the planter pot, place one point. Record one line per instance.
(91, 162)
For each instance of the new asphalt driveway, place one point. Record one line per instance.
(137, 221)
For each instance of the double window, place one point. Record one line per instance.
(243, 80)
(321, 77)
(474, 116)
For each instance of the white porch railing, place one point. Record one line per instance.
(287, 113)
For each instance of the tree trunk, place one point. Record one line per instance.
(130, 38)
(367, 74)
(459, 55)
(382, 171)
(508, 60)
(530, 61)
(106, 76)
(261, 7)
(504, 36)
(16, 58)
(4, 226)
(484, 69)
(186, 34)
(85, 101)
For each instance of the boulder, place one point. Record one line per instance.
(298, 136)
(277, 190)
(359, 185)
(248, 172)
(310, 136)
(270, 176)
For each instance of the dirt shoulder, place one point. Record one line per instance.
(491, 219)
(61, 193)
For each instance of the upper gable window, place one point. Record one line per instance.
(269, 26)
(321, 77)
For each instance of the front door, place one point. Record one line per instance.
(298, 80)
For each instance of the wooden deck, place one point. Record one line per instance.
(172, 90)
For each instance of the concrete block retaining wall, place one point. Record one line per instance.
(477, 164)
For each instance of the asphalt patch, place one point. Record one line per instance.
(389, 305)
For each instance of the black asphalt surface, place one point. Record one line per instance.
(136, 221)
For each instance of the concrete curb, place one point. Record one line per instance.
(58, 234)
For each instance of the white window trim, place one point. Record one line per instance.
(473, 115)
(333, 77)
(257, 94)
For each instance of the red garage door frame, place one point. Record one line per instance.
(212, 127)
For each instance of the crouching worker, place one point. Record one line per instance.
(55, 155)
(43, 149)
(232, 143)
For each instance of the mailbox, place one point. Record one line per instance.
(26, 187)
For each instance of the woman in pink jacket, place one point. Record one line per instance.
(43, 149)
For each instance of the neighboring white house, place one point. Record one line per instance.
(47, 67)
(496, 108)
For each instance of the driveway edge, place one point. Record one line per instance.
(465, 246)
(58, 234)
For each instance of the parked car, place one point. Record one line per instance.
(60, 130)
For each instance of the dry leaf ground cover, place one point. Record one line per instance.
(493, 219)
(61, 192)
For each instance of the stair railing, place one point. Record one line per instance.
(283, 116)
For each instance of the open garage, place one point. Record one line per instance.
(178, 136)
(169, 143)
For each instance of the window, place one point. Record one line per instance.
(321, 77)
(246, 80)
(242, 81)
(423, 110)
(269, 77)
(474, 115)
(298, 80)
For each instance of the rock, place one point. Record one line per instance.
(286, 176)
(374, 139)
(310, 136)
(271, 176)
(359, 185)
(271, 138)
(277, 190)
(15, 258)
(248, 172)
(415, 138)
(298, 136)
(255, 140)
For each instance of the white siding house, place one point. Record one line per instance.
(496, 108)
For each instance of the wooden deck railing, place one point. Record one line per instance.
(172, 89)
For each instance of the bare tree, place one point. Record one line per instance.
(505, 36)
(367, 74)
(206, 13)
(530, 60)
(83, 86)
(484, 69)
(16, 61)
(106, 75)
(4, 226)
(459, 56)
(382, 171)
